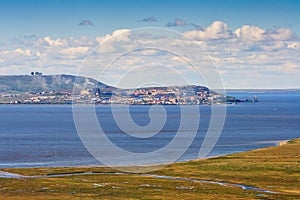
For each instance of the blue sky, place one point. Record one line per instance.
(255, 44)
(61, 18)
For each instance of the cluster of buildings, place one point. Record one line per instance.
(44, 97)
(177, 95)
(180, 95)
(37, 88)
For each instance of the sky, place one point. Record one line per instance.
(254, 44)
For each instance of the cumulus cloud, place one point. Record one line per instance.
(121, 34)
(149, 19)
(52, 42)
(255, 33)
(251, 33)
(51, 56)
(249, 51)
(247, 33)
(283, 34)
(177, 22)
(217, 30)
(86, 22)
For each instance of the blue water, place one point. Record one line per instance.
(45, 135)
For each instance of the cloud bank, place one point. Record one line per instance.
(220, 30)
(248, 57)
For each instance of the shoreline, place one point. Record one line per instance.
(276, 144)
(233, 176)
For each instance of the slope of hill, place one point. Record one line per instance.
(38, 88)
(37, 83)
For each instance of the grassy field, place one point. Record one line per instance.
(276, 169)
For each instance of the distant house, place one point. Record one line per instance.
(36, 74)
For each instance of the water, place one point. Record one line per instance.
(45, 135)
(225, 184)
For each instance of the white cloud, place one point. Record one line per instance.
(282, 34)
(26, 52)
(74, 52)
(246, 33)
(250, 33)
(294, 45)
(255, 33)
(119, 35)
(245, 55)
(51, 42)
(217, 30)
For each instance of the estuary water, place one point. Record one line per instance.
(45, 135)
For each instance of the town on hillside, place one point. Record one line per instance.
(103, 94)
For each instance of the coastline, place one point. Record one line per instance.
(28, 166)
(3, 173)
(233, 176)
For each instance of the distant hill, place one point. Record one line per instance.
(53, 89)
(37, 83)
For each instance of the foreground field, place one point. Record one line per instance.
(275, 170)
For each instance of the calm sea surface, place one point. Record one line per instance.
(45, 135)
